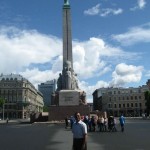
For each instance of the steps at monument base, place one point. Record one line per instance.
(60, 112)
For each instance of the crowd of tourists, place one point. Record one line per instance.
(99, 123)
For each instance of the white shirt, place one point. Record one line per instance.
(79, 129)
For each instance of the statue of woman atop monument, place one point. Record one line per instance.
(66, 2)
(59, 82)
(68, 75)
(74, 81)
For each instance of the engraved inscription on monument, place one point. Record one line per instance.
(69, 97)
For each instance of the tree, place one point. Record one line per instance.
(147, 98)
(45, 109)
(2, 101)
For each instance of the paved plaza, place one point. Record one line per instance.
(45, 136)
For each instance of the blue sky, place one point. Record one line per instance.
(111, 41)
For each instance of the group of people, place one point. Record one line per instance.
(81, 125)
(104, 124)
(98, 123)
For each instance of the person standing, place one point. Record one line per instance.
(122, 122)
(79, 130)
(105, 124)
(7, 120)
(66, 122)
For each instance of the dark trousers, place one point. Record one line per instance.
(122, 127)
(78, 144)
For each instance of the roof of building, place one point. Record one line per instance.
(12, 77)
(50, 82)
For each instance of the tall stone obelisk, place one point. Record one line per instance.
(67, 79)
(67, 37)
(68, 92)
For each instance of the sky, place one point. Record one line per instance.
(111, 41)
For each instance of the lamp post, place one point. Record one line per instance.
(3, 110)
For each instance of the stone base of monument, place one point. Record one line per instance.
(60, 112)
(66, 103)
(69, 97)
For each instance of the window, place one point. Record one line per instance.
(136, 105)
(123, 105)
(131, 104)
(127, 104)
(119, 105)
(110, 99)
(110, 92)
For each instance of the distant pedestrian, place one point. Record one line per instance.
(79, 130)
(115, 123)
(105, 124)
(89, 124)
(101, 123)
(7, 120)
(122, 122)
(85, 120)
(66, 122)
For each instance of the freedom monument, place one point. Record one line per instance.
(68, 98)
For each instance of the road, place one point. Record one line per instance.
(56, 137)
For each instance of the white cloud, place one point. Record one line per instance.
(90, 57)
(134, 35)
(21, 49)
(140, 5)
(103, 12)
(126, 74)
(108, 11)
(93, 11)
(35, 76)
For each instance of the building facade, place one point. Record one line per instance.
(21, 97)
(47, 88)
(129, 101)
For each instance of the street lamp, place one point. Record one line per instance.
(3, 110)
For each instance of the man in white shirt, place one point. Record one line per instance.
(79, 130)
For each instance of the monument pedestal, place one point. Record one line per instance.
(67, 103)
(60, 112)
(69, 98)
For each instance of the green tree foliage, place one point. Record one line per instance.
(45, 109)
(2, 101)
(147, 98)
